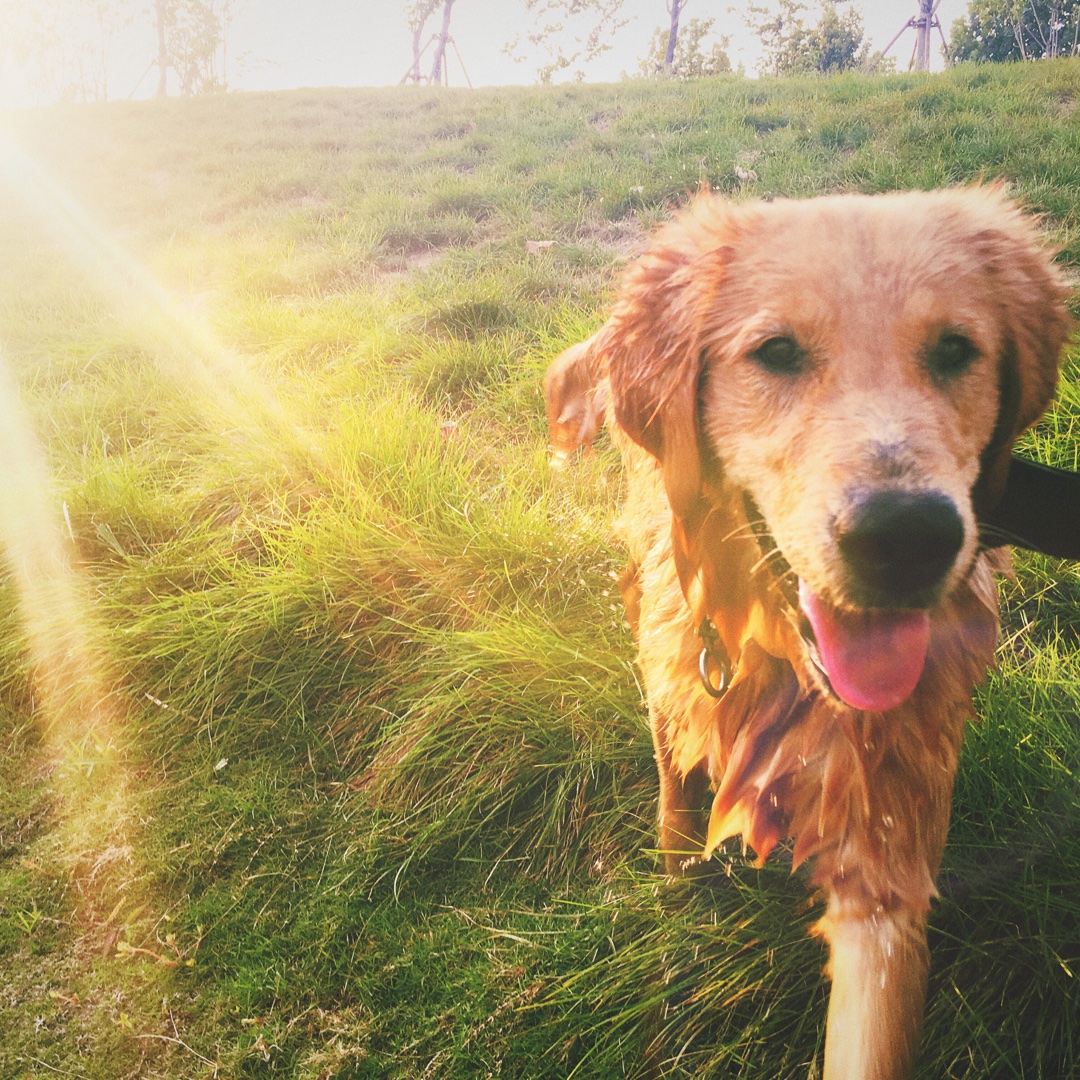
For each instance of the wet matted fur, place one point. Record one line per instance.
(814, 401)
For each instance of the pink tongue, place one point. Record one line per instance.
(874, 658)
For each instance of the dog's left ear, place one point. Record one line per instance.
(656, 339)
(576, 395)
(1032, 292)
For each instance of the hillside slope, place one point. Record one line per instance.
(323, 750)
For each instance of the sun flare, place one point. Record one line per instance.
(226, 390)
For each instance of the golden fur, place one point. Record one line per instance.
(711, 434)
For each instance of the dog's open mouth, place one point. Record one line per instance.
(873, 659)
(870, 659)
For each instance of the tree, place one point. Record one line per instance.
(674, 6)
(440, 44)
(60, 50)
(190, 35)
(836, 43)
(417, 13)
(691, 59)
(570, 32)
(1000, 30)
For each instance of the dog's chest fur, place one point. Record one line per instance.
(854, 790)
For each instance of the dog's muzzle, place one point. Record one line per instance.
(899, 546)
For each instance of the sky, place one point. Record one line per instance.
(284, 44)
(347, 42)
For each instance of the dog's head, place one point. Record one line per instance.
(859, 367)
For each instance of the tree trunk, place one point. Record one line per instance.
(1018, 33)
(421, 12)
(415, 75)
(673, 34)
(162, 51)
(1053, 48)
(1039, 32)
(440, 45)
(922, 40)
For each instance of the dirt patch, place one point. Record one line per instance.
(455, 131)
(393, 271)
(626, 235)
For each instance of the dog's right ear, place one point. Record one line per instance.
(1032, 294)
(655, 339)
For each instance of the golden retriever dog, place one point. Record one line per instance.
(815, 401)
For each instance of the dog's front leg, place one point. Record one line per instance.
(878, 963)
(681, 821)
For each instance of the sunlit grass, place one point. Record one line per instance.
(367, 745)
(86, 755)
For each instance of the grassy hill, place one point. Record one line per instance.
(323, 754)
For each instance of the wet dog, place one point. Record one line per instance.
(815, 401)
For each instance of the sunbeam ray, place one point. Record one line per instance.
(78, 701)
(227, 391)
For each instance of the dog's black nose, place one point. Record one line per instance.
(900, 544)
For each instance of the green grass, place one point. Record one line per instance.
(380, 766)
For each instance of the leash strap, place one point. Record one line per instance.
(1040, 510)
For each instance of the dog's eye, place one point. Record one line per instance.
(780, 355)
(951, 355)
